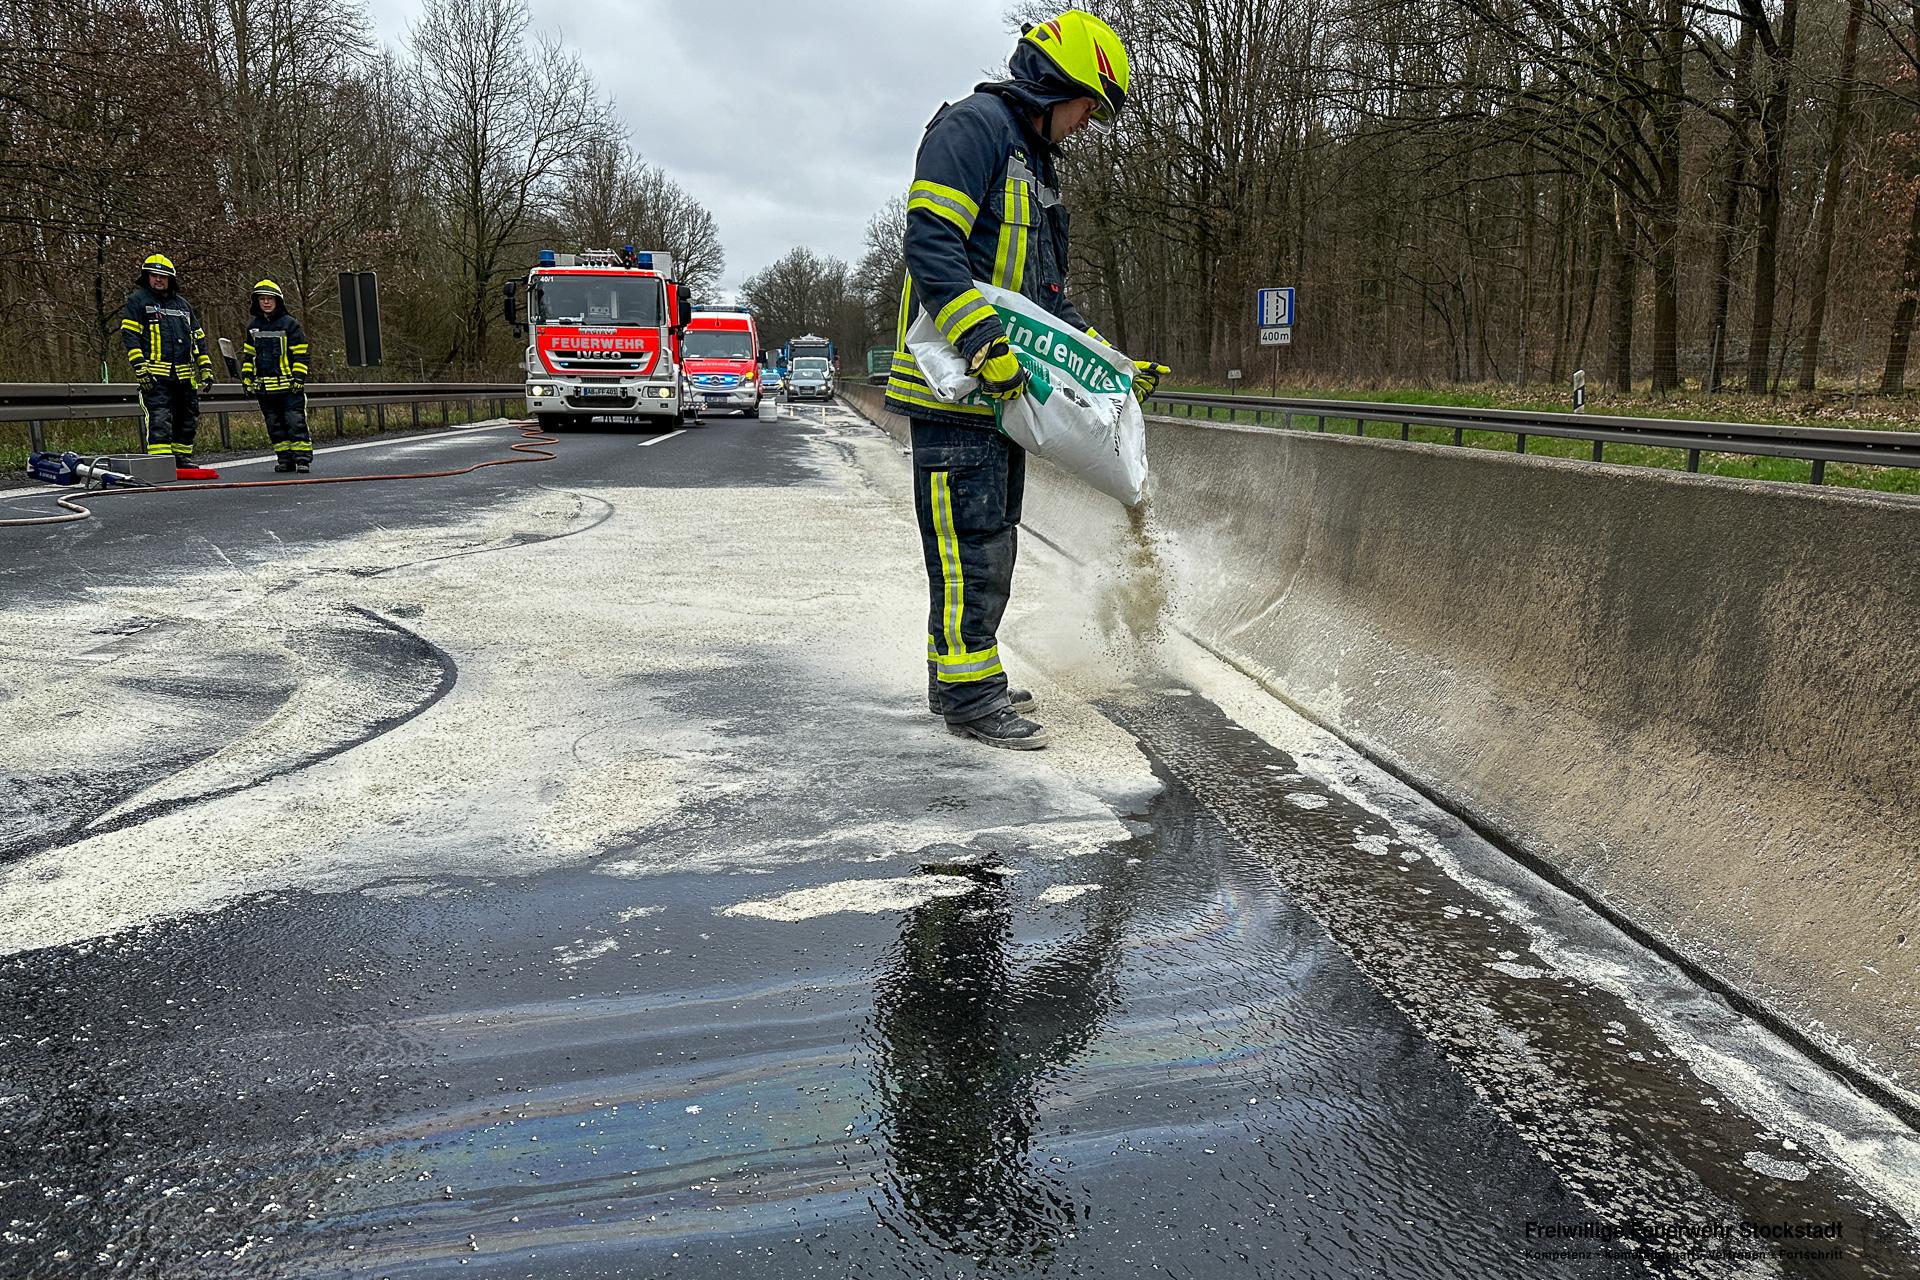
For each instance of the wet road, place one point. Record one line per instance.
(550, 872)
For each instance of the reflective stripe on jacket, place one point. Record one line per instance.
(983, 206)
(163, 337)
(275, 355)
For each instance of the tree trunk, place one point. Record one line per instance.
(1830, 197)
(1620, 344)
(1900, 336)
(1727, 215)
(1666, 211)
(1766, 253)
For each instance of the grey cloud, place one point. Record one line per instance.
(792, 122)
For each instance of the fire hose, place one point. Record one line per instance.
(527, 450)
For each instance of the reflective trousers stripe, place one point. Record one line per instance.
(963, 668)
(953, 578)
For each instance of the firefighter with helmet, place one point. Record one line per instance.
(167, 348)
(273, 369)
(985, 205)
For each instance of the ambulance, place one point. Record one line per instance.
(723, 359)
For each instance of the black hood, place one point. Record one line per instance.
(261, 317)
(1036, 84)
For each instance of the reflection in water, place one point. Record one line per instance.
(966, 1035)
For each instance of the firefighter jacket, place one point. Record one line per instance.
(275, 357)
(163, 337)
(983, 206)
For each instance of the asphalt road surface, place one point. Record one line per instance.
(554, 872)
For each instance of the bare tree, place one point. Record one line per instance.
(504, 117)
(612, 197)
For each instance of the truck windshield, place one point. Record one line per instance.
(719, 344)
(596, 300)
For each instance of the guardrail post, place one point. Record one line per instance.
(226, 431)
(1405, 430)
(415, 406)
(339, 423)
(1599, 451)
(1693, 459)
(1359, 426)
(36, 437)
(380, 412)
(1323, 422)
(1819, 470)
(1459, 435)
(1520, 442)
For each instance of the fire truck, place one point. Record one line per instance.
(603, 332)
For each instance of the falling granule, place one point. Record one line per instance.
(1137, 603)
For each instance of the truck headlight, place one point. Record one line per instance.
(538, 391)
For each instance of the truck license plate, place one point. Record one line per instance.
(601, 391)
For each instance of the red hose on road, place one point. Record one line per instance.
(529, 450)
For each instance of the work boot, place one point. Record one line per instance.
(1019, 700)
(303, 465)
(285, 464)
(1003, 728)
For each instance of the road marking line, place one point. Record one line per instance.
(657, 439)
(369, 444)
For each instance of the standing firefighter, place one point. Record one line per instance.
(168, 351)
(985, 206)
(273, 368)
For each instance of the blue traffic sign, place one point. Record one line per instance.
(1273, 308)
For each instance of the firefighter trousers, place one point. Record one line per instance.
(170, 413)
(286, 415)
(968, 483)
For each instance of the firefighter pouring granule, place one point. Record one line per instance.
(984, 205)
(168, 351)
(273, 369)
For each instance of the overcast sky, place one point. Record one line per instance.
(792, 120)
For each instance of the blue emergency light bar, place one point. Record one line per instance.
(546, 257)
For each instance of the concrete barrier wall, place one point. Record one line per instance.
(1696, 699)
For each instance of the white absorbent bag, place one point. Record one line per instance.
(1078, 413)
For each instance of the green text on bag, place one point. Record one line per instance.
(1063, 347)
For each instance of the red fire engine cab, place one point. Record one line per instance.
(603, 331)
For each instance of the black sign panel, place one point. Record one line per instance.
(360, 318)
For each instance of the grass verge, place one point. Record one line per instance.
(1875, 413)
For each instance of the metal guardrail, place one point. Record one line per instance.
(1818, 445)
(38, 403)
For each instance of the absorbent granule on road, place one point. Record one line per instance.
(893, 893)
(556, 680)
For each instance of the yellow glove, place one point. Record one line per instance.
(1001, 375)
(1146, 378)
